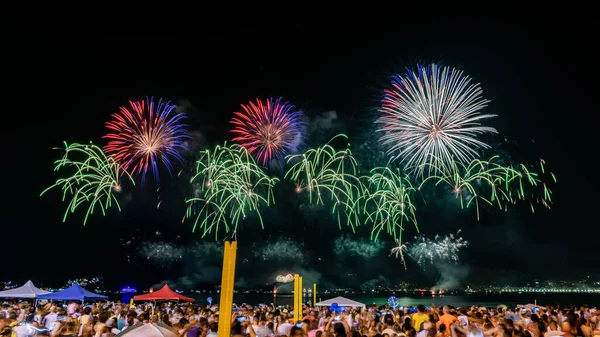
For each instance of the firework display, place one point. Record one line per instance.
(533, 186)
(285, 278)
(146, 134)
(429, 145)
(491, 182)
(84, 282)
(398, 252)
(93, 180)
(389, 203)
(269, 129)
(230, 186)
(433, 114)
(329, 175)
(426, 251)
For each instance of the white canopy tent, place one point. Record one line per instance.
(147, 330)
(341, 301)
(28, 290)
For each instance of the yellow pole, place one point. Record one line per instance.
(227, 279)
(232, 259)
(297, 298)
(314, 294)
(225, 322)
(300, 297)
(231, 279)
(296, 280)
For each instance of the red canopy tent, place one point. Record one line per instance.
(164, 294)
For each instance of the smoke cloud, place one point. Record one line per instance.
(282, 249)
(324, 121)
(324, 126)
(380, 281)
(201, 264)
(198, 139)
(196, 142)
(452, 276)
(364, 248)
(163, 253)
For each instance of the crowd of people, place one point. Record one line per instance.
(108, 319)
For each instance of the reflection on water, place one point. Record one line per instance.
(455, 300)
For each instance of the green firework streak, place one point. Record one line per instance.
(94, 180)
(388, 205)
(482, 182)
(229, 186)
(329, 176)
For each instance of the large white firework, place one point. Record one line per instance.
(433, 115)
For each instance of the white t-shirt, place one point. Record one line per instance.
(285, 328)
(24, 331)
(262, 331)
(255, 327)
(389, 331)
(55, 325)
(50, 319)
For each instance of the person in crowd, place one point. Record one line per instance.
(22, 319)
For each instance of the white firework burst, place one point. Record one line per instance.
(432, 117)
(426, 251)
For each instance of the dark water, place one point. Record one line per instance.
(491, 300)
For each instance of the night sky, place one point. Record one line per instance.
(539, 76)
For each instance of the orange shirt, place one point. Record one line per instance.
(447, 319)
